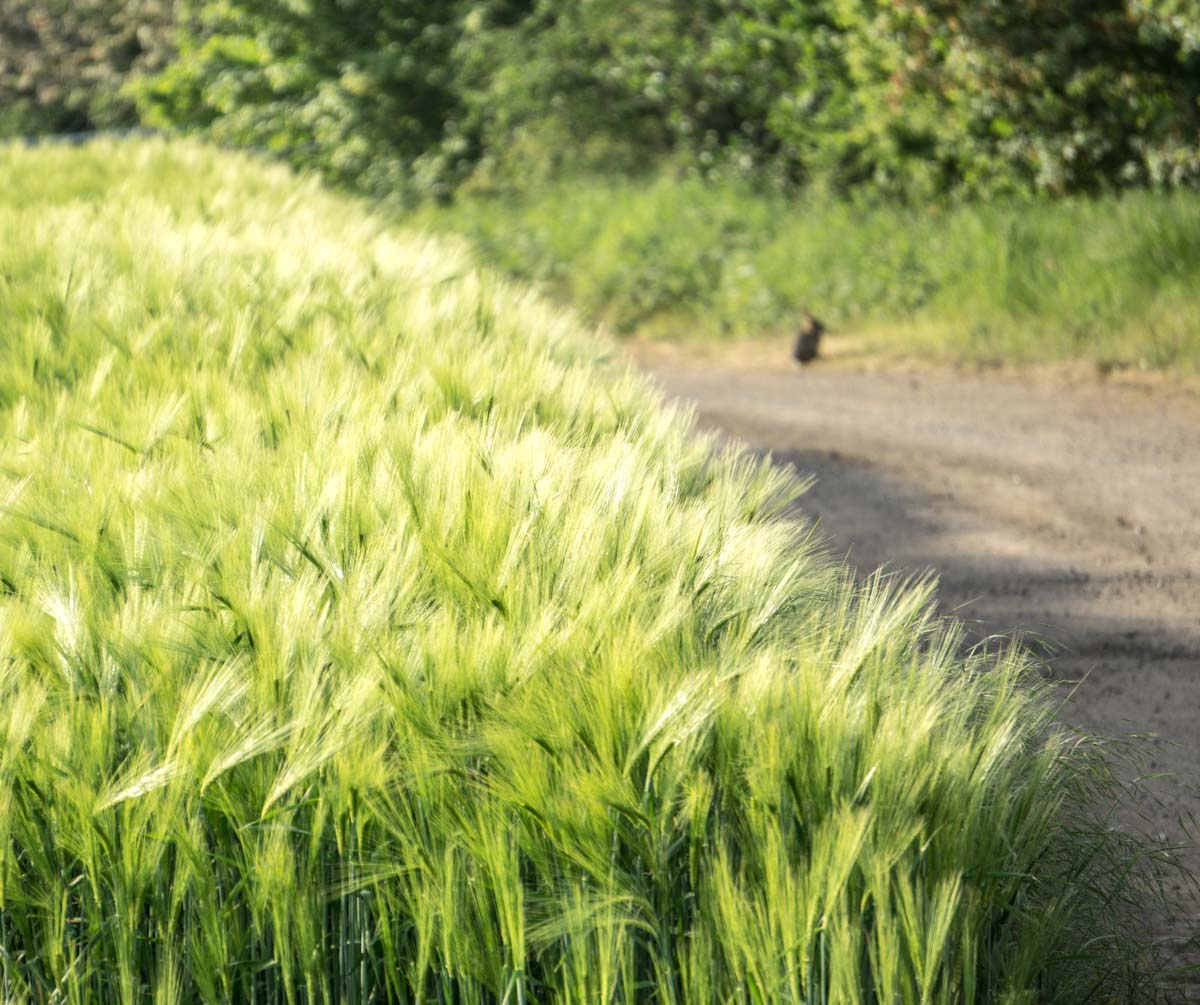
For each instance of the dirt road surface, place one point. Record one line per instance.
(1069, 512)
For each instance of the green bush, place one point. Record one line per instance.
(915, 99)
(983, 96)
(365, 92)
(64, 64)
(410, 100)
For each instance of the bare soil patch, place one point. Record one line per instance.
(1050, 502)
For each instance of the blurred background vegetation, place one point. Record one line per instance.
(417, 98)
(743, 126)
(66, 65)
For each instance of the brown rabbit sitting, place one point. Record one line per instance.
(808, 339)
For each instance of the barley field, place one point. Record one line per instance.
(368, 633)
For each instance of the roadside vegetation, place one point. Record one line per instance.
(1113, 279)
(366, 636)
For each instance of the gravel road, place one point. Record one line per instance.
(1067, 511)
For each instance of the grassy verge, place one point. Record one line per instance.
(365, 637)
(1113, 280)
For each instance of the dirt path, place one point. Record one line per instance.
(1069, 513)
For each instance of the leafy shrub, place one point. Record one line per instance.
(985, 96)
(362, 91)
(410, 100)
(64, 64)
(916, 99)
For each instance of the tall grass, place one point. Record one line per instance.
(1111, 279)
(365, 637)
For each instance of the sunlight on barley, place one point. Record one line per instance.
(366, 636)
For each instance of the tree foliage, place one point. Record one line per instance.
(64, 63)
(358, 89)
(988, 94)
(922, 98)
(415, 97)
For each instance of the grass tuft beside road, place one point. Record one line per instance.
(365, 636)
(1112, 279)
